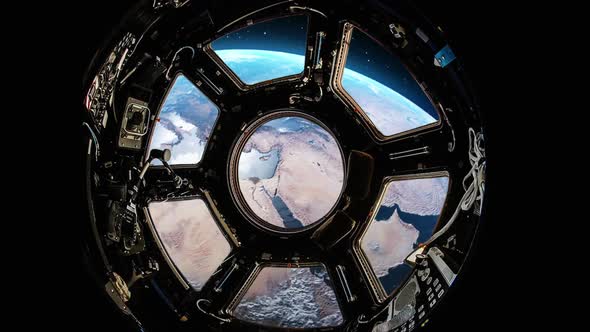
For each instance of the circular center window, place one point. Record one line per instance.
(290, 171)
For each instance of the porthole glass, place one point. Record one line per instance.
(191, 237)
(290, 172)
(291, 298)
(266, 50)
(186, 120)
(406, 216)
(383, 89)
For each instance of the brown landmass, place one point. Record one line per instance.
(387, 243)
(309, 176)
(417, 196)
(191, 238)
(266, 282)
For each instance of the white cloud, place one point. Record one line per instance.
(180, 123)
(163, 136)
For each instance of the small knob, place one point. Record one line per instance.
(164, 155)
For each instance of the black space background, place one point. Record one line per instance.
(491, 294)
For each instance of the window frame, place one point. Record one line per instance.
(233, 177)
(208, 49)
(377, 290)
(157, 115)
(337, 74)
(235, 301)
(220, 223)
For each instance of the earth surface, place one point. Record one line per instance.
(291, 297)
(291, 172)
(191, 238)
(406, 217)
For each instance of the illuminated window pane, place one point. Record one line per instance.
(406, 217)
(191, 238)
(291, 298)
(384, 89)
(185, 122)
(291, 172)
(266, 50)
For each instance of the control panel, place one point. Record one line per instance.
(134, 125)
(434, 275)
(100, 94)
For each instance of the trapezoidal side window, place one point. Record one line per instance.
(190, 237)
(281, 296)
(264, 51)
(184, 123)
(406, 216)
(376, 83)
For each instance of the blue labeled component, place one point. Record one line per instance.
(444, 56)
